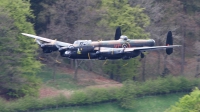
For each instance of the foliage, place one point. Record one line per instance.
(165, 85)
(121, 70)
(19, 11)
(188, 103)
(144, 104)
(9, 72)
(124, 95)
(17, 52)
(132, 21)
(95, 95)
(127, 101)
(89, 96)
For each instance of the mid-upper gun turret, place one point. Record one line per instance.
(123, 37)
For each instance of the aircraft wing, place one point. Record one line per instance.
(59, 43)
(107, 49)
(150, 48)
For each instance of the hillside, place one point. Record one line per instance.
(64, 83)
(180, 17)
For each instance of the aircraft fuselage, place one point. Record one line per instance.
(87, 49)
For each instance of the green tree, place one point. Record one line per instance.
(122, 70)
(19, 11)
(189, 103)
(128, 97)
(132, 21)
(18, 52)
(9, 71)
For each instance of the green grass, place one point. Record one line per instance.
(145, 104)
(156, 103)
(61, 81)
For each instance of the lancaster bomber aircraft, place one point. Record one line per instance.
(120, 48)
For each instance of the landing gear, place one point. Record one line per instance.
(142, 55)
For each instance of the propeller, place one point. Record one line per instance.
(118, 33)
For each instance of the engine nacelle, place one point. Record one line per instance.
(128, 55)
(49, 48)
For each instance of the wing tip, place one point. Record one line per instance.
(25, 34)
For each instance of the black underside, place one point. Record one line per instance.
(49, 48)
(103, 56)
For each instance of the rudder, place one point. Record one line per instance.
(169, 41)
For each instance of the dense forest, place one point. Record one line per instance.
(68, 20)
(149, 19)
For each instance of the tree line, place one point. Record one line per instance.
(17, 58)
(63, 20)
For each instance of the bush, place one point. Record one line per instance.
(125, 95)
(160, 85)
(128, 95)
(188, 103)
(102, 94)
(78, 98)
(62, 101)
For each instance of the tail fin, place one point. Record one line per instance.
(118, 33)
(169, 41)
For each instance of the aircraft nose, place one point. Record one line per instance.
(67, 53)
(153, 42)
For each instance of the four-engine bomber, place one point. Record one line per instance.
(120, 48)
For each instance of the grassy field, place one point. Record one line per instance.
(145, 104)
(60, 81)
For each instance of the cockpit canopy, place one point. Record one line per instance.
(82, 42)
(123, 37)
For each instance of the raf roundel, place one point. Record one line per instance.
(124, 45)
